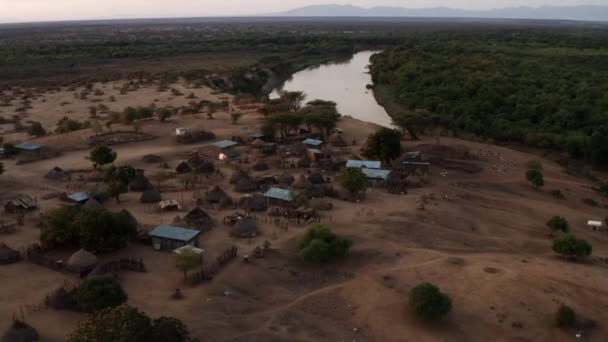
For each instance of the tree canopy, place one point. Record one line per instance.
(320, 244)
(384, 145)
(186, 260)
(428, 302)
(558, 223)
(535, 177)
(352, 179)
(99, 292)
(572, 247)
(102, 155)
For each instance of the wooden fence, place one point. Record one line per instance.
(207, 273)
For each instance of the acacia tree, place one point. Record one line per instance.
(102, 155)
(320, 244)
(352, 179)
(186, 260)
(118, 178)
(384, 145)
(572, 247)
(293, 99)
(428, 302)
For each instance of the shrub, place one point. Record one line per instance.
(535, 177)
(557, 193)
(428, 302)
(321, 205)
(572, 247)
(534, 165)
(99, 292)
(66, 125)
(590, 201)
(102, 155)
(565, 316)
(319, 244)
(604, 188)
(558, 223)
(36, 129)
(352, 179)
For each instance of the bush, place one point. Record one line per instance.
(572, 247)
(319, 244)
(557, 193)
(565, 316)
(36, 129)
(384, 145)
(558, 223)
(321, 205)
(102, 155)
(99, 292)
(535, 177)
(352, 179)
(428, 302)
(590, 201)
(604, 188)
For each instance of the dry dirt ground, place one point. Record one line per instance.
(483, 240)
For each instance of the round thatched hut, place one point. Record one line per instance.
(20, 332)
(247, 184)
(245, 228)
(260, 165)
(302, 183)
(205, 166)
(237, 176)
(150, 196)
(82, 261)
(216, 194)
(258, 143)
(182, 168)
(140, 183)
(253, 203)
(337, 141)
(198, 218)
(316, 178)
(286, 179)
(226, 202)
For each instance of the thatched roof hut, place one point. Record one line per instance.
(302, 183)
(316, 178)
(152, 159)
(226, 202)
(337, 140)
(237, 176)
(129, 216)
(150, 196)
(183, 167)
(215, 194)
(140, 183)
(93, 204)
(56, 173)
(286, 178)
(260, 165)
(82, 261)
(258, 143)
(206, 166)
(20, 332)
(198, 218)
(253, 203)
(8, 255)
(247, 184)
(179, 222)
(245, 228)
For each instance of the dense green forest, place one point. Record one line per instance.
(545, 89)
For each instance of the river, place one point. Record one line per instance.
(343, 82)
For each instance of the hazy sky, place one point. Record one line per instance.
(39, 10)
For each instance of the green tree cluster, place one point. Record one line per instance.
(558, 223)
(352, 179)
(565, 316)
(428, 302)
(99, 292)
(96, 230)
(572, 247)
(320, 244)
(384, 145)
(102, 155)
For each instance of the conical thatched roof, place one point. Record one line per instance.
(140, 183)
(246, 185)
(261, 165)
(286, 178)
(150, 196)
(258, 143)
(195, 161)
(245, 228)
(237, 176)
(93, 204)
(302, 183)
(183, 167)
(56, 173)
(226, 202)
(152, 159)
(82, 261)
(216, 194)
(337, 141)
(20, 332)
(316, 178)
(253, 203)
(206, 166)
(198, 218)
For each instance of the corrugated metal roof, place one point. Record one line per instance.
(30, 146)
(182, 249)
(312, 142)
(79, 196)
(174, 233)
(315, 151)
(281, 194)
(369, 164)
(225, 143)
(376, 174)
(257, 135)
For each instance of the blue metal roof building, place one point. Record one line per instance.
(225, 144)
(281, 194)
(28, 146)
(368, 164)
(312, 142)
(79, 197)
(174, 233)
(376, 173)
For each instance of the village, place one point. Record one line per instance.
(218, 203)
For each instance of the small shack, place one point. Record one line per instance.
(22, 203)
(56, 173)
(595, 225)
(222, 150)
(413, 156)
(79, 197)
(376, 177)
(140, 184)
(282, 197)
(169, 238)
(181, 131)
(29, 149)
(312, 143)
(368, 164)
(82, 261)
(257, 135)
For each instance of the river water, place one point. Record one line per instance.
(343, 82)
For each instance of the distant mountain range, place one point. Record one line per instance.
(590, 13)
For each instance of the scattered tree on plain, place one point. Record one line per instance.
(186, 260)
(102, 155)
(293, 99)
(565, 316)
(320, 244)
(535, 177)
(236, 116)
(384, 145)
(428, 302)
(558, 223)
(352, 180)
(99, 292)
(572, 247)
